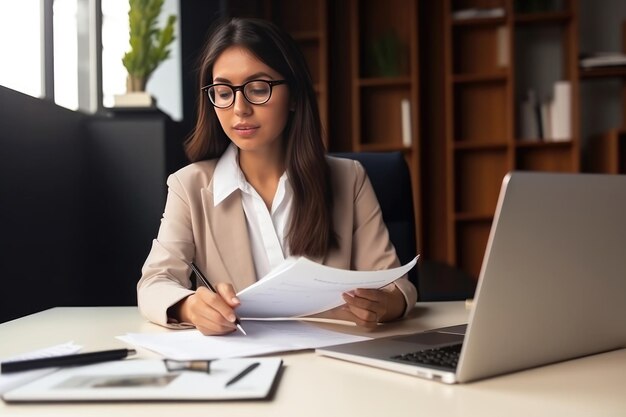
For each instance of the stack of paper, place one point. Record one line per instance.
(301, 287)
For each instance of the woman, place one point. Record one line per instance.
(260, 189)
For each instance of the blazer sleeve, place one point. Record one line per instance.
(372, 248)
(165, 276)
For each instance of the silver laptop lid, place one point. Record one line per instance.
(553, 281)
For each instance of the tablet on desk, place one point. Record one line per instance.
(149, 379)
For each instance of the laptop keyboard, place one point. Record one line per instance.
(444, 357)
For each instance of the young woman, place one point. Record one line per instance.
(259, 189)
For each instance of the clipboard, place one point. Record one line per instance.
(149, 380)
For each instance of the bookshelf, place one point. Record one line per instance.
(607, 150)
(489, 60)
(375, 70)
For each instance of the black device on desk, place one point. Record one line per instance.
(65, 360)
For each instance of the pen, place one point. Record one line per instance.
(206, 282)
(243, 373)
(65, 360)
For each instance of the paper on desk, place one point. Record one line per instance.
(262, 338)
(12, 380)
(300, 287)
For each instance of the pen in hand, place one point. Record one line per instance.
(209, 286)
(204, 279)
(65, 360)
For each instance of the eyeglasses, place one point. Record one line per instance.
(255, 91)
(176, 366)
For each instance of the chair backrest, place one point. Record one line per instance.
(389, 174)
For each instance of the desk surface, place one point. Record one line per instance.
(313, 385)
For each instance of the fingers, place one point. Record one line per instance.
(210, 312)
(343, 312)
(367, 305)
(228, 294)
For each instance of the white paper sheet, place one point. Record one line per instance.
(262, 338)
(9, 381)
(301, 287)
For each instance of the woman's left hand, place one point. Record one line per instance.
(372, 306)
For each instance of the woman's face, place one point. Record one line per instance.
(256, 128)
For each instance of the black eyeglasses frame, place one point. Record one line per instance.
(241, 88)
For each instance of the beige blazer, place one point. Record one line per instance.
(216, 237)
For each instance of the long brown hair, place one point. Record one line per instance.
(310, 231)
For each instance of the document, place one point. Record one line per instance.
(149, 379)
(301, 287)
(263, 338)
(9, 381)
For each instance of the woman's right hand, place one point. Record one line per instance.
(211, 313)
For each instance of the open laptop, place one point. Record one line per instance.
(552, 286)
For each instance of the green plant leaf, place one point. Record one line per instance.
(149, 44)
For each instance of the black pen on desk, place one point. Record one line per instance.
(243, 373)
(204, 279)
(65, 360)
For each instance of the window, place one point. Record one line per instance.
(21, 20)
(114, 44)
(65, 54)
(69, 45)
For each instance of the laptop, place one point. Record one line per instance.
(551, 288)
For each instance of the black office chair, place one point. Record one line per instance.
(390, 177)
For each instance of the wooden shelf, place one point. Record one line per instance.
(480, 78)
(543, 18)
(383, 81)
(479, 146)
(383, 147)
(482, 21)
(473, 217)
(540, 144)
(603, 72)
(369, 107)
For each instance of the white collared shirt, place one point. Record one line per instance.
(266, 227)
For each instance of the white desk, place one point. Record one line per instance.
(313, 385)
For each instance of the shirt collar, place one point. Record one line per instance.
(227, 177)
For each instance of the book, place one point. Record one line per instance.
(528, 123)
(405, 106)
(477, 13)
(561, 112)
(502, 47)
(545, 108)
(602, 59)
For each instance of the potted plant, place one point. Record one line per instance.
(149, 45)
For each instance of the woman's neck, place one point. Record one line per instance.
(262, 171)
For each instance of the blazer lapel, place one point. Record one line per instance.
(227, 224)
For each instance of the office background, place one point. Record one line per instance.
(81, 194)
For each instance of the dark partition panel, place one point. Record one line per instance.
(42, 200)
(130, 156)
